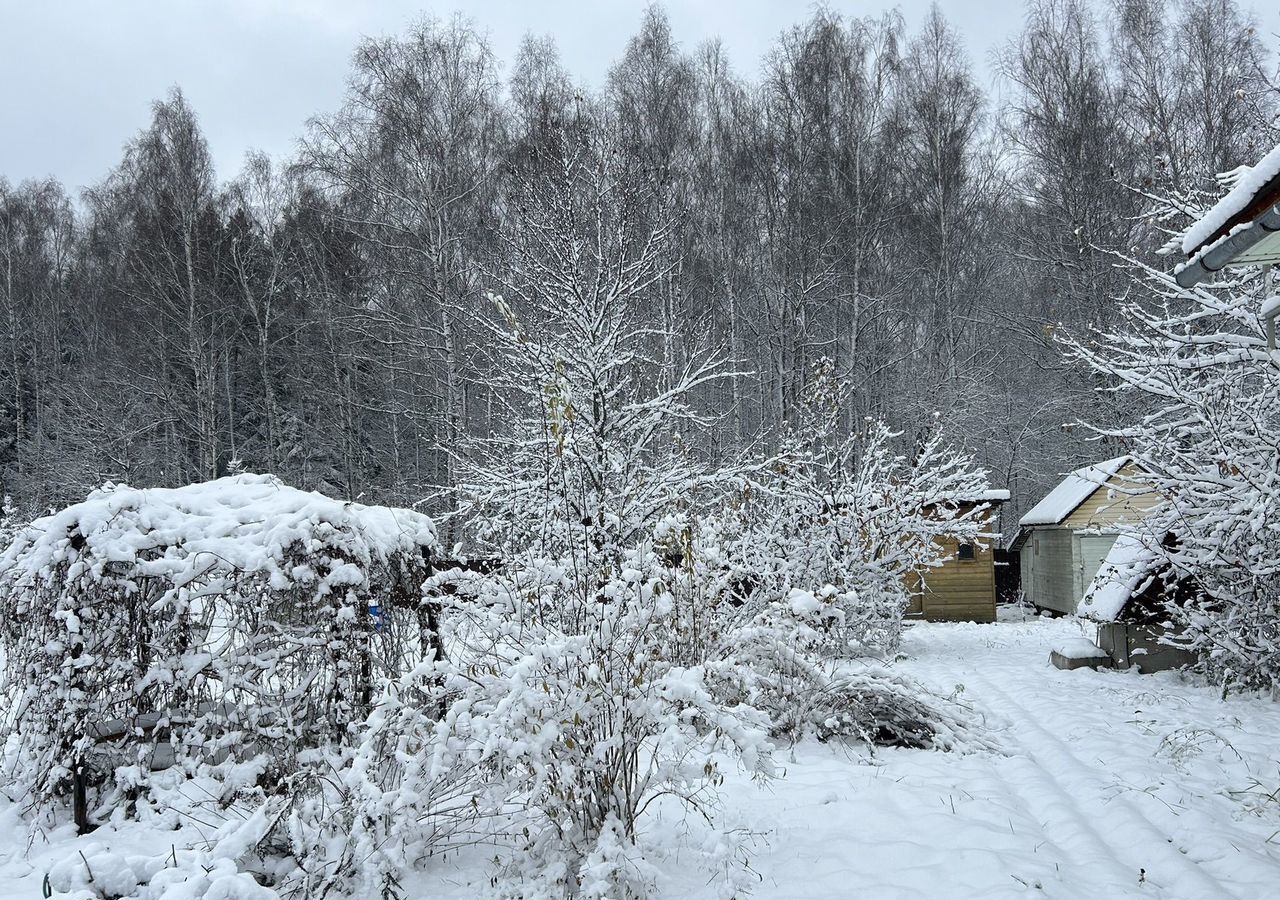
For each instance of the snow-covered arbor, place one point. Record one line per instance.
(231, 621)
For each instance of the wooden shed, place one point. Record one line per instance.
(1065, 538)
(963, 588)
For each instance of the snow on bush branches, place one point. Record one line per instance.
(238, 622)
(857, 519)
(654, 613)
(577, 681)
(1195, 363)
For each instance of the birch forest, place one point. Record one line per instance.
(861, 205)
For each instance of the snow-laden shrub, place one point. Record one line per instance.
(777, 662)
(1204, 391)
(614, 659)
(385, 802)
(882, 708)
(839, 530)
(815, 559)
(235, 621)
(96, 872)
(577, 708)
(576, 693)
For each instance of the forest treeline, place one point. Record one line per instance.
(860, 204)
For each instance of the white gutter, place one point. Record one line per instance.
(1221, 256)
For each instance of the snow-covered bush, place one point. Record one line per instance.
(650, 607)
(770, 664)
(231, 624)
(577, 690)
(384, 803)
(818, 554)
(96, 872)
(586, 703)
(841, 528)
(1195, 363)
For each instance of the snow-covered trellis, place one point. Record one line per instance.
(229, 622)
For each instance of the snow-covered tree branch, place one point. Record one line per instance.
(1208, 391)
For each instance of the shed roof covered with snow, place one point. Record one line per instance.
(1125, 571)
(1072, 491)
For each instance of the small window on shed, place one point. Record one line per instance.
(965, 552)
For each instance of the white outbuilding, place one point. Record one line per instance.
(1065, 538)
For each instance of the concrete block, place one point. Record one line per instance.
(1091, 662)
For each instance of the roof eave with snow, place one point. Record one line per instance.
(1255, 243)
(1124, 573)
(1243, 228)
(1072, 491)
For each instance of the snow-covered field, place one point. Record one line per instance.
(1110, 784)
(1106, 785)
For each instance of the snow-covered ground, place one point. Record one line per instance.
(1107, 785)
(1110, 784)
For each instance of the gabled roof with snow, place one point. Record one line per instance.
(247, 524)
(1125, 572)
(1076, 488)
(1250, 182)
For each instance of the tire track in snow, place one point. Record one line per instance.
(1069, 816)
(1065, 827)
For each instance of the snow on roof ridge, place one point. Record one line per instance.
(1073, 490)
(1248, 182)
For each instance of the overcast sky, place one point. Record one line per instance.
(77, 77)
